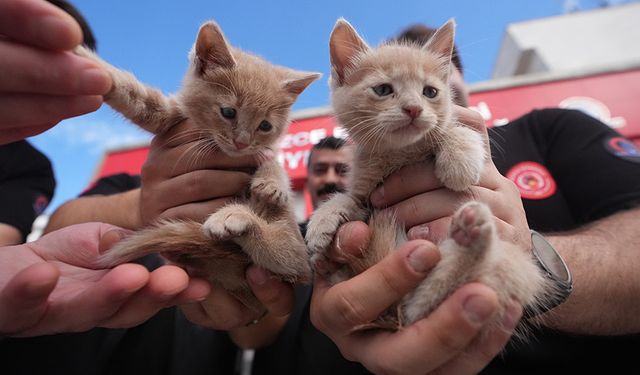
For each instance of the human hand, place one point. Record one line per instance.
(426, 207)
(223, 311)
(51, 285)
(184, 179)
(448, 341)
(42, 82)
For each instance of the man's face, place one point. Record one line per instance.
(327, 173)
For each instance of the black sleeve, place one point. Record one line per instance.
(117, 183)
(27, 185)
(596, 168)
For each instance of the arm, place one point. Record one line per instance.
(604, 264)
(121, 209)
(43, 83)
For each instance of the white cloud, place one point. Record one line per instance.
(96, 134)
(571, 6)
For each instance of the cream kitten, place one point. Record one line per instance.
(396, 105)
(240, 105)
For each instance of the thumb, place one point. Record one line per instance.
(23, 301)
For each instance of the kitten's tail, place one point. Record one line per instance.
(166, 237)
(386, 235)
(145, 106)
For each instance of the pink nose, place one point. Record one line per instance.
(412, 110)
(240, 145)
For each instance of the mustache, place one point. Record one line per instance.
(330, 189)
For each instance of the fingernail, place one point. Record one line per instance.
(421, 259)
(419, 232)
(257, 276)
(377, 197)
(95, 81)
(478, 309)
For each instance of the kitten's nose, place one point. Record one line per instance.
(412, 110)
(240, 145)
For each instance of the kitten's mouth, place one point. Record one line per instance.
(410, 127)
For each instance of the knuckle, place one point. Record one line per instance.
(351, 311)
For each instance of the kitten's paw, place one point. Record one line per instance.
(321, 230)
(227, 224)
(472, 225)
(265, 190)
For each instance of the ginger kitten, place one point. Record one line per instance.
(396, 105)
(240, 104)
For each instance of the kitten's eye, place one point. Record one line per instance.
(228, 112)
(265, 126)
(430, 92)
(383, 89)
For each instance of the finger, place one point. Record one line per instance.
(352, 238)
(274, 294)
(196, 211)
(486, 347)
(39, 110)
(350, 303)
(30, 70)
(110, 237)
(23, 301)
(429, 206)
(408, 181)
(39, 23)
(165, 283)
(15, 134)
(201, 185)
(94, 304)
(219, 311)
(438, 338)
(197, 290)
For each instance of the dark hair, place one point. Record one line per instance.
(327, 143)
(89, 40)
(420, 34)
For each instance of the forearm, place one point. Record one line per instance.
(604, 261)
(118, 209)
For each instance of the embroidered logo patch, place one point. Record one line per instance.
(533, 180)
(40, 204)
(623, 148)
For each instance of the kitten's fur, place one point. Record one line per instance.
(403, 127)
(260, 229)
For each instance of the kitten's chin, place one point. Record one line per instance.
(405, 135)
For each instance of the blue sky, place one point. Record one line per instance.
(151, 38)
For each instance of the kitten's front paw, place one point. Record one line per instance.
(320, 233)
(228, 223)
(265, 190)
(472, 225)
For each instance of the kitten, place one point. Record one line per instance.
(240, 105)
(396, 105)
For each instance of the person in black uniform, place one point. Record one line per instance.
(27, 184)
(578, 182)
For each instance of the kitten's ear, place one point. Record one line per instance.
(212, 50)
(442, 40)
(299, 81)
(345, 44)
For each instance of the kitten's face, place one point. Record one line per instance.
(241, 101)
(391, 96)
